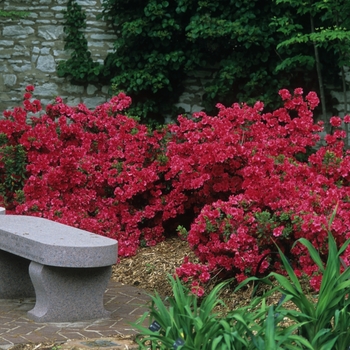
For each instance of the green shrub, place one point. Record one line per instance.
(185, 322)
(325, 322)
(12, 170)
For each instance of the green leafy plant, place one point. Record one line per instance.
(259, 326)
(325, 322)
(80, 66)
(185, 322)
(160, 42)
(180, 319)
(249, 50)
(13, 14)
(12, 171)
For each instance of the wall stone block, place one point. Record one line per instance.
(6, 43)
(87, 2)
(10, 79)
(91, 89)
(3, 54)
(50, 32)
(102, 36)
(59, 8)
(46, 63)
(22, 67)
(17, 31)
(28, 23)
(47, 90)
(74, 89)
(92, 102)
(3, 67)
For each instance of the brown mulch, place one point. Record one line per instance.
(150, 268)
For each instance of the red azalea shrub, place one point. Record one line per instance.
(96, 170)
(209, 157)
(234, 180)
(279, 198)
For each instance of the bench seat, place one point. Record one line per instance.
(65, 268)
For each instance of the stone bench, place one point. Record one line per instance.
(65, 268)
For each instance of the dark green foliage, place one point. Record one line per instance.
(160, 42)
(331, 22)
(80, 67)
(12, 170)
(244, 42)
(323, 26)
(13, 14)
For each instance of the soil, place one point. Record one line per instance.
(149, 270)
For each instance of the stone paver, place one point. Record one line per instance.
(125, 303)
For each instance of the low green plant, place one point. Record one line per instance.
(56, 347)
(324, 322)
(185, 322)
(180, 322)
(12, 171)
(259, 326)
(13, 14)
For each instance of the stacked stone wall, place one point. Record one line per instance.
(31, 47)
(338, 97)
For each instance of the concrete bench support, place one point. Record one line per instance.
(14, 278)
(66, 269)
(82, 291)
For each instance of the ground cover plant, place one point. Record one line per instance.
(182, 321)
(237, 184)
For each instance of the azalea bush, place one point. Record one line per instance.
(272, 195)
(96, 170)
(236, 183)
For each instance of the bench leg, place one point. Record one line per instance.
(68, 294)
(14, 277)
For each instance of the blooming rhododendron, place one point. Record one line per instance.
(275, 198)
(335, 121)
(239, 182)
(93, 169)
(277, 232)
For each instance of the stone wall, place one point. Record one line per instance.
(338, 97)
(191, 99)
(30, 48)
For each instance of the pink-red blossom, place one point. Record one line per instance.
(240, 182)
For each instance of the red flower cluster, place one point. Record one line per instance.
(255, 191)
(236, 179)
(96, 170)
